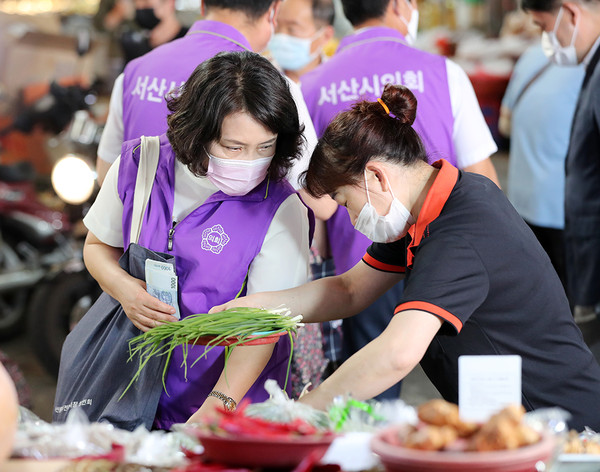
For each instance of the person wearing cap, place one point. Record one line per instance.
(138, 106)
(477, 281)
(450, 122)
(571, 36)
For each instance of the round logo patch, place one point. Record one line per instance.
(214, 239)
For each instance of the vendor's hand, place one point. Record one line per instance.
(256, 300)
(144, 310)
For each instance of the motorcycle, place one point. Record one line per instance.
(44, 285)
(33, 238)
(68, 291)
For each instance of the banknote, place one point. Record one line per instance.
(160, 266)
(162, 283)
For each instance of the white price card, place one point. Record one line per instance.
(486, 384)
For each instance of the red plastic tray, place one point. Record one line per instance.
(261, 452)
(252, 341)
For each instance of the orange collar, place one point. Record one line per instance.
(434, 202)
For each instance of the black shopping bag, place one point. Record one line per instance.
(94, 369)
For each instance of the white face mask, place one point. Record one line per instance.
(560, 55)
(386, 228)
(237, 177)
(412, 24)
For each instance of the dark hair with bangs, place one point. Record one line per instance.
(359, 11)
(253, 9)
(232, 82)
(361, 134)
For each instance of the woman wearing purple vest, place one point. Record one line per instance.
(221, 205)
(477, 281)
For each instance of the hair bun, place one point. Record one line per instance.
(401, 102)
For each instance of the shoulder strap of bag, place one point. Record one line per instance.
(149, 152)
(531, 81)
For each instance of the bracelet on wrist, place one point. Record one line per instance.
(228, 403)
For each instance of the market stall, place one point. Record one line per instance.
(281, 433)
(284, 435)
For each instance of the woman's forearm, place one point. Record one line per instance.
(144, 310)
(382, 363)
(244, 366)
(102, 262)
(325, 299)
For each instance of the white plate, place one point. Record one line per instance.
(577, 463)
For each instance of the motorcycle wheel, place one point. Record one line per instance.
(12, 313)
(13, 303)
(56, 307)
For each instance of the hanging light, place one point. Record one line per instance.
(73, 179)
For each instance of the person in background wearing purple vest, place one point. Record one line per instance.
(221, 204)
(137, 104)
(478, 281)
(304, 27)
(449, 121)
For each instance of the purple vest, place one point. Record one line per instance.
(363, 64)
(213, 248)
(149, 78)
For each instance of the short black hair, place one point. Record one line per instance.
(232, 82)
(359, 11)
(252, 8)
(323, 11)
(541, 5)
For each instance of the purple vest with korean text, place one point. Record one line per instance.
(213, 247)
(149, 78)
(363, 64)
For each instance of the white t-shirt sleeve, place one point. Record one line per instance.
(104, 218)
(112, 135)
(473, 141)
(310, 135)
(283, 261)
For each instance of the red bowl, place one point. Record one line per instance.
(396, 458)
(251, 341)
(261, 452)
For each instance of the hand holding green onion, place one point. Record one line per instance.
(235, 326)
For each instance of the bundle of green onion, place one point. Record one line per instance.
(235, 326)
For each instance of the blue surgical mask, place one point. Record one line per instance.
(291, 52)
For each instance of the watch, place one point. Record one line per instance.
(228, 402)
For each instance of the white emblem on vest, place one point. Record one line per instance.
(214, 239)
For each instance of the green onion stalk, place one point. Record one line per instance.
(234, 326)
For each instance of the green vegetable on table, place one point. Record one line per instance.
(235, 327)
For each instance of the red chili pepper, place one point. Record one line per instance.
(236, 423)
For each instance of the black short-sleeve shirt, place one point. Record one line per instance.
(472, 261)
